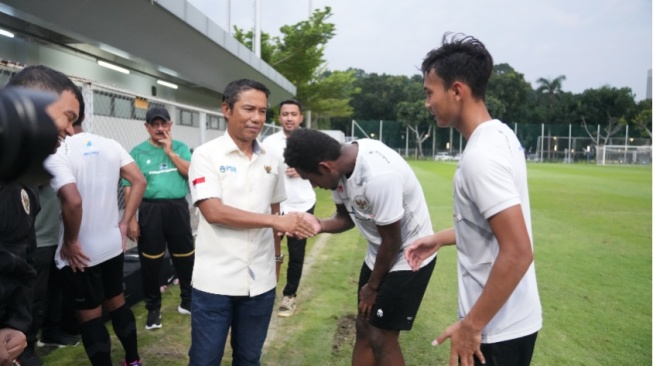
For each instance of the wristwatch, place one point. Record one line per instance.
(279, 258)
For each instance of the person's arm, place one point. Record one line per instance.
(514, 258)
(338, 222)
(71, 214)
(425, 247)
(385, 258)
(181, 164)
(133, 196)
(133, 229)
(215, 212)
(275, 208)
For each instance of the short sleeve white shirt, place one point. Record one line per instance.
(301, 196)
(490, 178)
(381, 190)
(93, 163)
(231, 261)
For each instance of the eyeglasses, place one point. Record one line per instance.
(157, 124)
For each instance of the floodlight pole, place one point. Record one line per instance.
(257, 29)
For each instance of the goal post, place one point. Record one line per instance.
(623, 154)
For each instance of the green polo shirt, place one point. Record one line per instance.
(163, 179)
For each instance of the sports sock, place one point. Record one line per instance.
(97, 343)
(124, 325)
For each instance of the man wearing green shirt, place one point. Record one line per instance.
(163, 216)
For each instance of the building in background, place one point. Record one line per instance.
(154, 48)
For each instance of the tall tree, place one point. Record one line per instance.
(513, 91)
(609, 107)
(298, 55)
(418, 120)
(550, 87)
(643, 119)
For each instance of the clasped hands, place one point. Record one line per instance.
(300, 225)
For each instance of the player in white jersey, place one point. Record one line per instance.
(499, 306)
(375, 190)
(87, 169)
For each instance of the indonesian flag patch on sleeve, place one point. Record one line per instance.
(197, 181)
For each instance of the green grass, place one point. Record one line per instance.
(592, 237)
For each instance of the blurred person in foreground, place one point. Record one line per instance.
(237, 186)
(20, 206)
(498, 301)
(375, 190)
(301, 198)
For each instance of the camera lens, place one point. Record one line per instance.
(27, 134)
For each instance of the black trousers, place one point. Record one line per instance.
(165, 222)
(43, 260)
(296, 253)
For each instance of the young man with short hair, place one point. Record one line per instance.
(499, 305)
(375, 190)
(301, 198)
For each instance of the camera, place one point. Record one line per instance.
(27, 135)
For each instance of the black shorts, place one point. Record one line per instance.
(517, 352)
(398, 298)
(97, 283)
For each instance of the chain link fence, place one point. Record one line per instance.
(119, 114)
(542, 142)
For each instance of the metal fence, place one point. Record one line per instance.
(120, 115)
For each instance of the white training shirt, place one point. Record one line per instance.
(381, 190)
(231, 261)
(93, 163)
(490, 178)
(301, 195)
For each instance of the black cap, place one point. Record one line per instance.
(157, 112)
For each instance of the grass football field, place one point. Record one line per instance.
(592, 237)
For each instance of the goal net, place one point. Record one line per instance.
(622, 154)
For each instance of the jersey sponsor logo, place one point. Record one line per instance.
(379, 313)
(199, 180)
(228, 168)
(267, 168)
(24, 198)
(155, 172)
(90, 151)
(340, 188)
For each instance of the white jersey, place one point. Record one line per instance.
(381, 190)
(301, 196)
(490, 178)
(93, 163)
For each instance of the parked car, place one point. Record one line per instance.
(443, 156)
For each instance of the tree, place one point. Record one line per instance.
(512, 91)
(643, 119)
(550, 87)
(606, 104)
(416, 118)
(332, 92)
(298, 55)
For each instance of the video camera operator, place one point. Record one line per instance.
(37, 109)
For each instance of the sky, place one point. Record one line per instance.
(591, 42)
